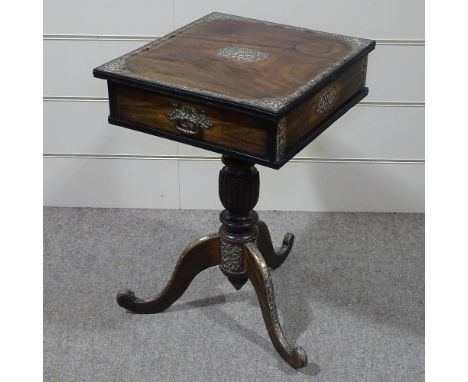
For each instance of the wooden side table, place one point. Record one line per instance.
(257, 93)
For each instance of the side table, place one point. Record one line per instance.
(255, 92)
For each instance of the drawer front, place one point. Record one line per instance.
(202, 123)
(307, 116)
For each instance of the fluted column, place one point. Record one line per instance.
(239, 186)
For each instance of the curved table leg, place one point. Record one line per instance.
(198, 256)
(273, 259)
(257, 271)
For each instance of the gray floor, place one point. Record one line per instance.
(351, 293)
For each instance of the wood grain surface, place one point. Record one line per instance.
(232, 130)
(191, 58)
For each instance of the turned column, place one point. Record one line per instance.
(239, 187)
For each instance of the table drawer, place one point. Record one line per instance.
(188, 121)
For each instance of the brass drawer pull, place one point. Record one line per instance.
(188, 120)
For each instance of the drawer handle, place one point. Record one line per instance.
(188, 120)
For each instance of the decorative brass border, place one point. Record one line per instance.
(364, 72)
(280, 139)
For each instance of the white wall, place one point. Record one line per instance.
(372, 159)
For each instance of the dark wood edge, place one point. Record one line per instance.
(112, 99)
(271, 142)
(236, 106)
(321, 128)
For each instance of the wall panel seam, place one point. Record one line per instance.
(103, 37)
(105, 99)
(217, 158)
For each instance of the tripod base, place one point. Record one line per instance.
(243, 251)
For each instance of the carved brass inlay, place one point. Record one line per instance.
(280, 139)
(364, 72)
(242, 54)
(232, 257)
(326, 100)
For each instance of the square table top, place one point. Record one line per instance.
(244, 62)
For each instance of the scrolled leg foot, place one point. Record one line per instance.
(125, 297)
(273, 258)
(257, 271)
(198, 256)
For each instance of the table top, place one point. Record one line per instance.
(245, 88)
(239, 61)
